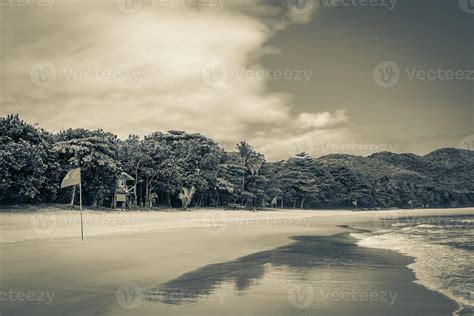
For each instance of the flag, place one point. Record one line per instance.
(73, 177)
(275, 200)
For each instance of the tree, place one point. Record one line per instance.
(95, 152)
(300, 182)
(158, 166)
(250, 162)
(228, 184)
(28, 165)
(186, 196)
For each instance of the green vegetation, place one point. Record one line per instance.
(176, 168)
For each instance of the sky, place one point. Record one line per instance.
(319, 76)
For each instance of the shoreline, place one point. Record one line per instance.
(419, 263)
(413, 271)
(409, 267)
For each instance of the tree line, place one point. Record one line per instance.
(168, 166)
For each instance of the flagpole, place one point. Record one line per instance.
(80, 208)
(73, 195)
(73, 179)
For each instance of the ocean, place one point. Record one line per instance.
(442, 248)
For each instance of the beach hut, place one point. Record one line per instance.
(124, 190)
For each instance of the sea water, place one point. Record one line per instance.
(442, 248)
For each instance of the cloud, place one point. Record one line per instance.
(161, 68)
(321, 120)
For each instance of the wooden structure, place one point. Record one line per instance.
(124, 191)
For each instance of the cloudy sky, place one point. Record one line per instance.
(320, 76)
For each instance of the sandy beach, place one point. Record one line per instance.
(131, 263)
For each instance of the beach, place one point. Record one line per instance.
(207, 262)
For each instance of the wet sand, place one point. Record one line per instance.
(326, 275)
(220, 263)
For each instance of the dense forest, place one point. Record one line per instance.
(34, 161)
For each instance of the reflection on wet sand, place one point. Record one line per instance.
(305, 254)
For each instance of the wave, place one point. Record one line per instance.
(438, 267)
(400, 224)
(426, 226)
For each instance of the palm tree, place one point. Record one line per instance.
(250, 161)
(186, 196)
(254, 163)
(245, 151)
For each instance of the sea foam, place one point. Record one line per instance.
(437, 266)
